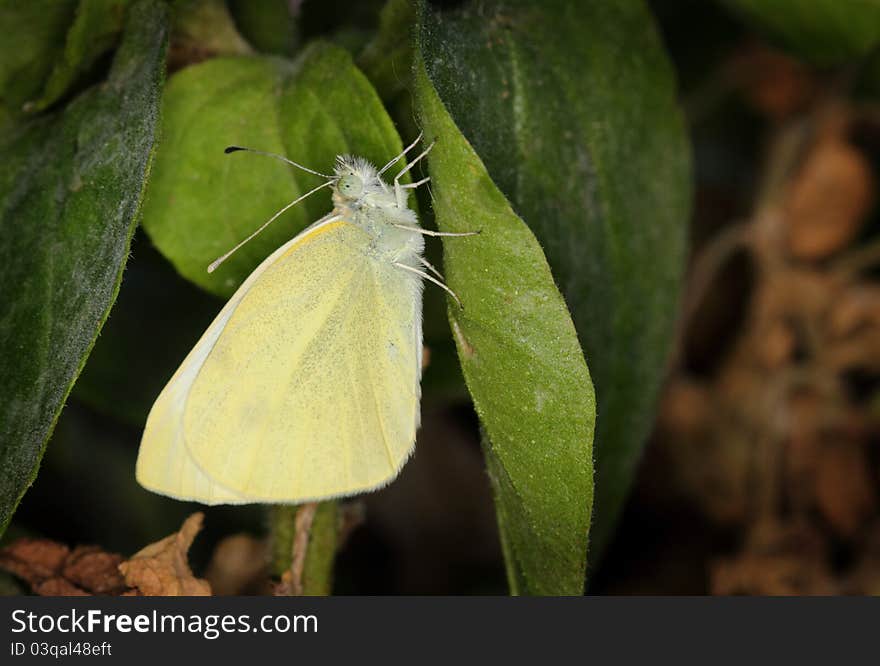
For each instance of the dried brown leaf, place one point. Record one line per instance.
(857, 307)
(52, 569)
(34, 560)
(162, 569)
(778, 344)
(829, 201)
(779, 559)
(685, 407)
(95, 570)
(765, 574)
(58, 587)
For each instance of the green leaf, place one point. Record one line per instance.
(33, 36)
(70, 186)
(824, 31)
(572, 109)
(522, 364)
(95, 31)
(201, 203)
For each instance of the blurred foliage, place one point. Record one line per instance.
(203, 29)
(267, 24)
(827, 32)
(387, 58)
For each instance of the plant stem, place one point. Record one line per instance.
(282, 520)
(303, 547)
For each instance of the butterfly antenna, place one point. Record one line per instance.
(235, 149)
(226, 256)
(405, 151)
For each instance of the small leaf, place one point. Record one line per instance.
(70, 186)
(33, 37)
(162, 568)
(522, 364)
(95, 30)
(824, 31)
(572, 109)
(201, 203)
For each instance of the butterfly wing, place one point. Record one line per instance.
(305, 387)
(164, 465)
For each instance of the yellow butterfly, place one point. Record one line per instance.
(307, 384)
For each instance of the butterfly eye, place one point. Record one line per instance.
(350, 186)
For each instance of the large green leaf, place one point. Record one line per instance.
(571, 107)
(70, 186)
(824, 31)
(522, 364)
(200, 202)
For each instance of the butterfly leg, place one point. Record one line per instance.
(398, 189)
(405, 151)
(430, 278)
(415, 184)
(428, 265)
(428, 232)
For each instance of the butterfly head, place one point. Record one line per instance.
(356, 181)
(350, 186)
